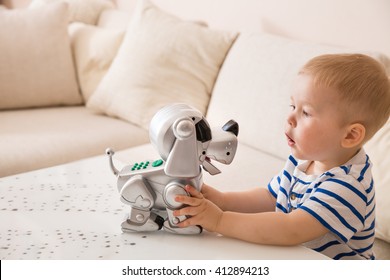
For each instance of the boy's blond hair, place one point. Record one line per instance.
(362, 83)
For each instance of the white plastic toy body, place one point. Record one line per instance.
(185, 143)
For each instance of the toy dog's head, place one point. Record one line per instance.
(185, 141)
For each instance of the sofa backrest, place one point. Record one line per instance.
(253, 86)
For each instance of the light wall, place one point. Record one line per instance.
(361, 24)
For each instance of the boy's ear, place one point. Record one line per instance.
(354, 135)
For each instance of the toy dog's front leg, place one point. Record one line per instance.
(141, 199)
(170, 192)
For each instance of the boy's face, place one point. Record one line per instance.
(313, 128)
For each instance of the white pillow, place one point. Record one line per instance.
(378, 149)
(87, 11)
(36, 65)
(262, 67)
(162, 60)
(94, 49)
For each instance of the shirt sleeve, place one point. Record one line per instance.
(274, 185)
(286, 173)
(340, 205)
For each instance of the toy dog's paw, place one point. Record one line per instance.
(154, 223)
(186, 230)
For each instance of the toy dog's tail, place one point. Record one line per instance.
(110, 152)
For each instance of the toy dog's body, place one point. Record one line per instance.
(185, 143)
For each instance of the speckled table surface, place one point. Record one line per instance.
(73, 211)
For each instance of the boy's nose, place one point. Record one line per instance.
(291, 120)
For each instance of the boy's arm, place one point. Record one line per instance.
(274, 228)
(250, 201)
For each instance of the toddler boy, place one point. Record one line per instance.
(324, 197)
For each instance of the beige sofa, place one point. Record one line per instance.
(96, 82)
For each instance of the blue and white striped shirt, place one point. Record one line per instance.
(342, 199)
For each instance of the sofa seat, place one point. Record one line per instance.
(36, 138)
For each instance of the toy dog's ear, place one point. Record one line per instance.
(183, 159)
(231, 126)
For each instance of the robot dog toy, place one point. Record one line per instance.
(185, 142)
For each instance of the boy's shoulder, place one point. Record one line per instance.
(358, 167)
(357, 171)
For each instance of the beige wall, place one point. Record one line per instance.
(361, 24)
(15, 4)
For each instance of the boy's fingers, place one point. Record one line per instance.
(193, 192)
(188, 200)
(185, 223)
(190, 211)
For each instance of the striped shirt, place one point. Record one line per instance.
(341, 199)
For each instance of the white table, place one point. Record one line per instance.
(73, 211)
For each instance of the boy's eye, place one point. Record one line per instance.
(292, 107)
(306, 114)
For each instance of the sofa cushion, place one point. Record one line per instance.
(261, 67)
(35, 138)
(162, 60)
(94, 49)
(36, 66)
(114, 19)
(378, 149)
(86, 11)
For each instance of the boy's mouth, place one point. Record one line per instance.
(290, 141)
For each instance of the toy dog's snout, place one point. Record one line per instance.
(224, 144)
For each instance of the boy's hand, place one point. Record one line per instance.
(214, 195)
(202, 211)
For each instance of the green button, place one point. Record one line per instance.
(157, 163)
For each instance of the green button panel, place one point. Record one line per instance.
(157, 163)
(144, 165)
(141, 165)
